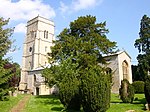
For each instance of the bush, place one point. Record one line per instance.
(138, 86)
(69, 95)
(95, 90)
(126, 91)
(90, 91)
(4, 92)
(69, 90)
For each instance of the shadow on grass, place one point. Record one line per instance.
(57, 109)
(135, 102)
(47, 96)
(48, 99)
(54, 101)
(139, 101)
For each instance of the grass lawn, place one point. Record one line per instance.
(5, 106)
(52, 104)
(137, 105)
(43, 104)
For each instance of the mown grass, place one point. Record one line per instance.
(5, 106)
(52, 104)
(138, 104)
(47, 103)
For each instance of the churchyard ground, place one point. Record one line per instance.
(52, 104)
(6, 106)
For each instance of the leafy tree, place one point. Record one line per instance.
(15, 79)
(143, 45)
(5, 45)
(5, 41)
(78, 52)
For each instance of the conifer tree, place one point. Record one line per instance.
(143, 45)
(126, 91)
(79, 51)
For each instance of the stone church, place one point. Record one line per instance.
(39, 37)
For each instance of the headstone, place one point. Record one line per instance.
(15, 93)
(147, 106)
(10, 93)
(54, 90)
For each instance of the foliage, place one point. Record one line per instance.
(95, 90)
(143, 45)
(147, 89)
(137, 73)
(126, 91)
(66, 79)
(5, 75)
(15, 79)
(77, 52)
(5, 45)
(5, 41)
(69, 86)
(138, 86)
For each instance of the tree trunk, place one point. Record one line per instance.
(148, 106)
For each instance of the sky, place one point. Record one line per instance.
(122, 19)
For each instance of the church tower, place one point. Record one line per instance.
(39, 37)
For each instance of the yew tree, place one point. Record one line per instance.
(76, 59)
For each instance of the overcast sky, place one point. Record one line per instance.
(122, 18)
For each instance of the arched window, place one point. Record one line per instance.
(45, 48)
(108, 70)
(125, 70)
(44, 33)
(33, 34)
(47, 35)
(34, 78)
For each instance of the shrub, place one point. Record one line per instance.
(69, 94)
(138, 86)
(95, 90)
(126, 91)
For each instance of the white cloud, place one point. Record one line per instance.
(20, 28)
(63, 7)
(77, 5)
(25, 9)
(84, 4)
